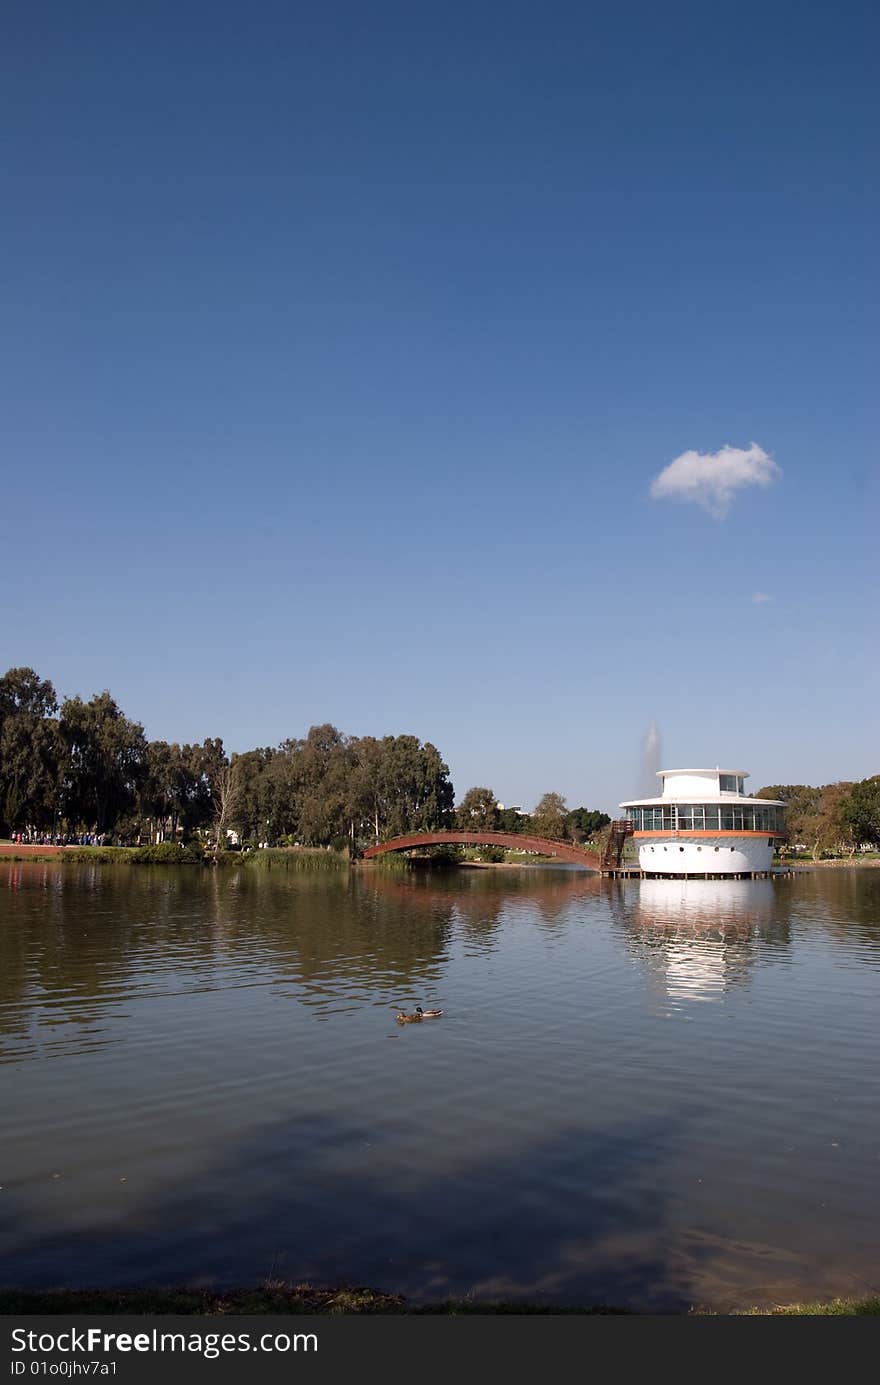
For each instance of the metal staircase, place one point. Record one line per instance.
(621, 828)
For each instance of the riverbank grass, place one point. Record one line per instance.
(295, 858)
(278, 1296)
(836, 1308)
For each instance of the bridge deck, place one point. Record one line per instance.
(512, 841)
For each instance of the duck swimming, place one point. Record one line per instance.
(418, 1014)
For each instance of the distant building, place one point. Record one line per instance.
(704, 823)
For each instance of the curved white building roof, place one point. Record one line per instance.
(701, 786)
(738, 773)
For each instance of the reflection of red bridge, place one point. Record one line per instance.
(609, 859)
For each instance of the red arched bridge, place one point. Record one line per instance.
(607, 859)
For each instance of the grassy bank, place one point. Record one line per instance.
(834, 1308)
(312, 859)
(830, 863)
(95, 855)
(280, 1297)
(295, 858)
(309, 859)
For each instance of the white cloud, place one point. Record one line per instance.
(760, 598)
(711, 479)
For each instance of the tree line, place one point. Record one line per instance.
(78, 766)
(835, 819)
(480, 810)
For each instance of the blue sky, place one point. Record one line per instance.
(343, 345)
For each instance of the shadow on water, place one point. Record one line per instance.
(268, 1207)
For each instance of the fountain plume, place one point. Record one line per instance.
(651, 757)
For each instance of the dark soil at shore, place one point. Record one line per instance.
(281, 1297)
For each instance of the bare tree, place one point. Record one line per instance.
(226, 799)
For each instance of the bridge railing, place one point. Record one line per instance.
(514, 841)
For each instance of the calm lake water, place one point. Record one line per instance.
(642, 1092)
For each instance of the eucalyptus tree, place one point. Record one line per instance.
(548, 819)
(31, 751)
(104, 761)
(254, 812)
(514, 820)
(24, 693)
(414, 783)
(214, 788)
(167, 790)
(365, 803)
(861, 811)
(325, 764)
(279, 792)
(478, 811)
(582, 824)
(94, 766)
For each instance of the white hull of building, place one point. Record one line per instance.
(705, 855)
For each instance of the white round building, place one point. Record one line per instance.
(704, 824)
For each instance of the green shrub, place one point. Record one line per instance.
(168, 854)
(492, 854)
(97, 855)
(300, 858)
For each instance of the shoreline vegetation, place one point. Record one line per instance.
(168, 853)
(277, 1296)
(80, 772)
(322, 859)
(84, 774)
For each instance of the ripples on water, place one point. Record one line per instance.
(653, 1093)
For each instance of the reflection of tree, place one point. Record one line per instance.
(68, 950)
(83, 939)
(480, 898)
(91, 937)
(699, 937)
(844, 903)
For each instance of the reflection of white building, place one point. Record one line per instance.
(699, 936)
(697, 908)
(703, 823)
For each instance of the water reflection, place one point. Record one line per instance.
(90, 939)
(205, 1061)
(478, 902)
(700, 937)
